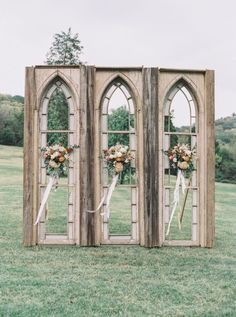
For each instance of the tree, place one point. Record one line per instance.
(118, 120)
(58, 114)
(65, 50)
(11, 120)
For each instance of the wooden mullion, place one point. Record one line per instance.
(29, 230)
(151, 162)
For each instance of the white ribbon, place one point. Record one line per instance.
(180, 181)
(107, 198)
(53, 180)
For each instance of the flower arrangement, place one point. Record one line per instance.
(181, 157)
(119, 154)
(56, 159)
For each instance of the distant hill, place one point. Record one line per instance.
(226, 149)
(226, 130)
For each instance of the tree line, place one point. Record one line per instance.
(12, 127)
(11, 120)
(226, 149)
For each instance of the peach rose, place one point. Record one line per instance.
(183, 165)
(61, 159)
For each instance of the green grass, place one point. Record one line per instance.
(120, 211)
(112, 281)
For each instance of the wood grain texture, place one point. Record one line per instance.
(151, 177)
(210, 158)
(28, 226)
(87, 153)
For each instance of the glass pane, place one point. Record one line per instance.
(118, 119)
(120, 212)
(180, 113)
(118, 110)
(184, 211)
(117, 100)
(58, 113)
(57, 137)
(121, 138)
(56, 219)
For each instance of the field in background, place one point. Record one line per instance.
(112, 281)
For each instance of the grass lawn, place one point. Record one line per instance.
(112, 281)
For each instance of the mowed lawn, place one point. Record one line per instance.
(112, 281)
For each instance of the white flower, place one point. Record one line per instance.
(53, 164)
(54, 155)
(174, 159)
(61, 148)
(55, 147)
(119, 154)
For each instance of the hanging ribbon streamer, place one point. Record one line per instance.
(107, 198)
(180, 181)
(53, 181)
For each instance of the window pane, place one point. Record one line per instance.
(58, 111)
(180, 112)
(56, 220)
(121, 138)
(120, 212)
(57, 137)
(118, 119)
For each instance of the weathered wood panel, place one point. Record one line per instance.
(28, 226)
(87, 156)
(151, 150)
(210, 159)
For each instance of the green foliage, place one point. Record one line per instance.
(112, 280)
(65, 50)
(11, 120)
(118, 120)
(58, 118)
(18, 99)
(225, 165)
(226, 149)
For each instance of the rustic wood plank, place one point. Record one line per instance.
(28, 226)
(210, 156)
(87, 190)
(151, 177)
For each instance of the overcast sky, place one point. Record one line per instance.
(166, 33)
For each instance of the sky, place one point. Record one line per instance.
(195, 34)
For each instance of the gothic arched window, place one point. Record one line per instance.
(118, 126)
(57, 125)
(181, 127)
